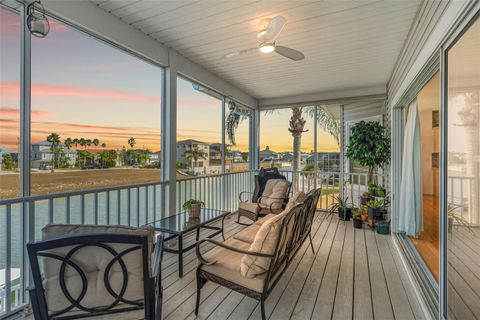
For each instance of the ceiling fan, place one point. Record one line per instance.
(266, 41)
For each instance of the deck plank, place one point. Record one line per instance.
(343, 303)
(325, 299)
(382, 306)
(286, 304)
(362, 298)
(392, 268)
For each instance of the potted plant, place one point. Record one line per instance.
(342, 207)
(369, 146)
(455, 218)
(374, 209)
(193, 207)
(376, 190)
(364, 198)
(357, 218)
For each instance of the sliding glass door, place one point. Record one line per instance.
(462, 173)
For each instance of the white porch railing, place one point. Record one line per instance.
(130, 205)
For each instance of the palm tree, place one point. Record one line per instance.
(131, 142)
(96, 142)
(104, 145)
(75, 141)
(68, 143)
(297, 125)
(54, 139)
(195, 154)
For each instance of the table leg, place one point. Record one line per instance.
(223, 223)
(180, 256)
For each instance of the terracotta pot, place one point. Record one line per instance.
(194, 210)
(364, 217)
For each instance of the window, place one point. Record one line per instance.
(463, 175)
(95, 114)
(199, 130)
(237, 126)
(9, 103)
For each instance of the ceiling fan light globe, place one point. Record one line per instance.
(267, 48)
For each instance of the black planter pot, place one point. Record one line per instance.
(364, 200)
(375, 213)
(345, 215)
(357, 223)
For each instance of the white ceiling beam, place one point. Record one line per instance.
(327, 97)
(95, 20)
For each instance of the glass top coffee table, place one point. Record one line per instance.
(180, 224)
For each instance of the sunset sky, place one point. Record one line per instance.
(82, 88)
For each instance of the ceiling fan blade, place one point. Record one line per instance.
(274, 28)
(289, 53)
(237, 53)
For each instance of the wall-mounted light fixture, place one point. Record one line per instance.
(37, 21)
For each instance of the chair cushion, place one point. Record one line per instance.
(264, 242)
(261, 221)
(227, 265)
(248, 206)
(274, 193)
(248, 234)
(297, 198)
(93, 261)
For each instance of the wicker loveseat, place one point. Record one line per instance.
(254, 260)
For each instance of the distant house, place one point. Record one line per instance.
(326, 161)
(185, 145)
(153, 158)
(267, 154)
(41, 154)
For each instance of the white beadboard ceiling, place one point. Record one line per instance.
(347, 44)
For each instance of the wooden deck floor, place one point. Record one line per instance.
(464, 273)
(352, 275)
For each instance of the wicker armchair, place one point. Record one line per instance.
(272, 201)
(254, 262)
(105, 272)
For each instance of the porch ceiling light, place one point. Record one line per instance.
(267, 48)
(37, 21)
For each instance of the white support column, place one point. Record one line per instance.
(396, 167)
(25, 107)
(28, 214)
(255, 138)
(315, 151)
(169, 128)
(342, 150)
(223, 150)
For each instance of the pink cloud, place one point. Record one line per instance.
(15, 113)
(210, 103)
(13, 88)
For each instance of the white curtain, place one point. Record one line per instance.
(410, 214)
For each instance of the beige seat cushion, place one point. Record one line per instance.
(248, 234)
(297, 198)
(261, 221)
(227, 265)
(248, 206)
(93, 261)
(275, 191)
(264, 242)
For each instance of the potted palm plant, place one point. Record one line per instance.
(193, 207)
(342, 207)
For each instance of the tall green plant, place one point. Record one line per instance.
(369, 146)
